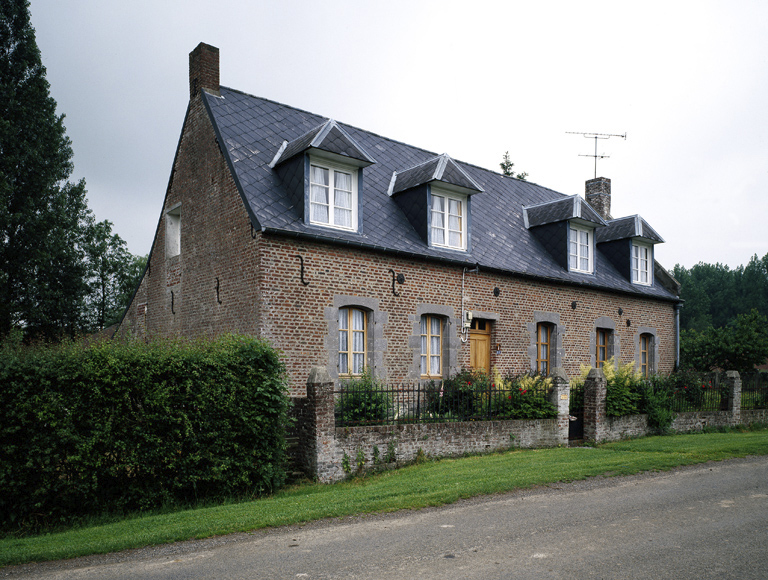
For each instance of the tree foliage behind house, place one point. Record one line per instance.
(507, 168)
(714, 294)
(724, 320)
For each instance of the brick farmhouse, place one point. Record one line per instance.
(346, 250)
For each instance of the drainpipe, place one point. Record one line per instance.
(678, 306)
(475, 270)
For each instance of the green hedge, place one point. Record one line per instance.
(119, 427)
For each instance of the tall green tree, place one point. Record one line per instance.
(738, 346)
(44, 218)
(507, 168)
(715, 295)
(113, 275)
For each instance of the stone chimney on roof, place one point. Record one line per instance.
(598, 195)
(204, 70)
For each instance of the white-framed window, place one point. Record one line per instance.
(448, 221)
(332, 196)
(642, 262)
(580, 242)
(431, 346)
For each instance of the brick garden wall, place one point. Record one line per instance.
(446, 439)
(326, 445)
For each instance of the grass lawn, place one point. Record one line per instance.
(432, 483)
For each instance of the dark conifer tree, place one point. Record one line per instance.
(44, 218)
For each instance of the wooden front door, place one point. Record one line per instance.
(480, 345)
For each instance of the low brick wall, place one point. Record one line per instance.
(322, 445)
(325, 444)
(446, 439)
(599, 428)
(697, 420)
(750, 416)
(624, 427)
(618, 428)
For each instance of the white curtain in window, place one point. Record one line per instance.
(423, 326)
(574, 250)
(358, 341)
(438, 220)
(343, 341)
(342, 212)
(318, 195)
(583, 250)
(434, 346)
(454, 223)
(544, 348)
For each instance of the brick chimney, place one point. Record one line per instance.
(598, 195)
(203, 70)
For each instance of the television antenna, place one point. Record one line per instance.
(596, 136)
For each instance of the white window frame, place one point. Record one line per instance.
(446, 229)
(332, 169)
(638, 269)
(590, 245)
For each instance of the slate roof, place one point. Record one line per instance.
(441, 168)
(628, 227)
(328, 137)
(573, 207)
(251, 131)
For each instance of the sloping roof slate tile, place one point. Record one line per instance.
(500, 240)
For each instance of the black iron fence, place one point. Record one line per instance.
(441, 401)
(708, 392)
(754, 391)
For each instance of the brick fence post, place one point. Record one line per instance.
(733, 383)
(560, 397)
(322, 425)
(594, 406)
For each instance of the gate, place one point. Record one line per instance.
(576, 412)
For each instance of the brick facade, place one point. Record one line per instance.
(228, 276)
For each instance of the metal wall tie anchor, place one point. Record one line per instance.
(302, 271)
(399, 278)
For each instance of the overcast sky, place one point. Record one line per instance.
(686, 81)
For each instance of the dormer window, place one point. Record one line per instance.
(642, 261)
(448, 224)
(580, 252)
(333, 196)
(435, 197)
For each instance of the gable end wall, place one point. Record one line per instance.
(179, 293)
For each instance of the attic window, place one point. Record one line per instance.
(447, 222)
(580, 249)
(333, 196)
(641, 264)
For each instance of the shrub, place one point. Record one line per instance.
(623, 388)
(656, 398)
(522, 397)
(120, 427)
(363, 401)
(458, 397)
